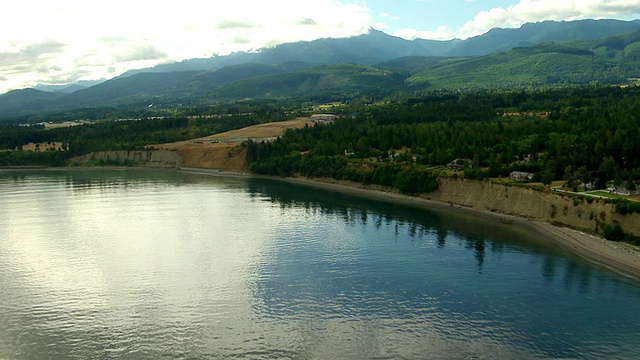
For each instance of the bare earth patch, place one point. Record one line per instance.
(223, 151)
(42, 146)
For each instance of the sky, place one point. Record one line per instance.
(64, 41)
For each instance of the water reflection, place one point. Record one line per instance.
(411, 265)
(416, 223)
(152, 264)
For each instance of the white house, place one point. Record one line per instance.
(622, 190)
(521, 176)
(323, 118)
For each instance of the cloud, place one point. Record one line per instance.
(442, 33)
(29, 53)
(241, 40)
(43, 48)
(380, 26)
(307, 21)
(531, 11)
(141, 52)
(234, 24)
(37, 59)
(82, 40)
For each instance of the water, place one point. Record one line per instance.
(131, 264)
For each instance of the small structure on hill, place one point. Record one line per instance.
(623, 189)
(458, 164)
(323, 118)
(521, 176)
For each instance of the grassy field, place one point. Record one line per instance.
(608, 195)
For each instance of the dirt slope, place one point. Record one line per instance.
(223, 151)
(545, 206)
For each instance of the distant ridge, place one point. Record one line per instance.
(539, 54)
(376, 46)
(530, 34)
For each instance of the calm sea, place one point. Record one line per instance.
(134, 264)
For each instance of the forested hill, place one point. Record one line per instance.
(589, 135)
(613, 60)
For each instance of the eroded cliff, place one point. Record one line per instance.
(146, 158)
(549, 206)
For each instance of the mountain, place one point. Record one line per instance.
(367, 49)
(326, 79)
(612, 60)
(531, 34)
(621, 47)
(376, 46)
(19, 99)
(127, 90)
(62, 89)
(170, 87)
(238, 72)
(69, 88)
(375, 62)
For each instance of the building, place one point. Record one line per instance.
(323, 118)
(623, 190)
(458, 164)
(520, 176)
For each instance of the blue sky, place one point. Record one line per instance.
(430, 14)
(64, 41)
(446, 19)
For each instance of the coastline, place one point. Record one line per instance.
(618, 257)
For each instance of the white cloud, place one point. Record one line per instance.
(531, 11)
(54, 42)
(389, 16)
(68, 40)
(442, 33)
(380, 26)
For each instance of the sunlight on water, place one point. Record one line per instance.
(150, 264)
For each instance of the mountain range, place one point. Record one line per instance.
(536, 54)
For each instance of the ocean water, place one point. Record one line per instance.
(135, 264)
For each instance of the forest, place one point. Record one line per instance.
(124, 134)
(587, 134)
(581, 135)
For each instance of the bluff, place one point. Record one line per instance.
(553, 207)
(144, 158)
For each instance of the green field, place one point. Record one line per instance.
(608, 195)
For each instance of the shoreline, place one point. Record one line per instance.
(618, 257)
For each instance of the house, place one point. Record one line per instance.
(460, 164)
(521, 176)
(623, 190)
(323, 118)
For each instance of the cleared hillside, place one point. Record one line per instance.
(223, 151)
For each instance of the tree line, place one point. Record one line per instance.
(586, 134)
(116, 135)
